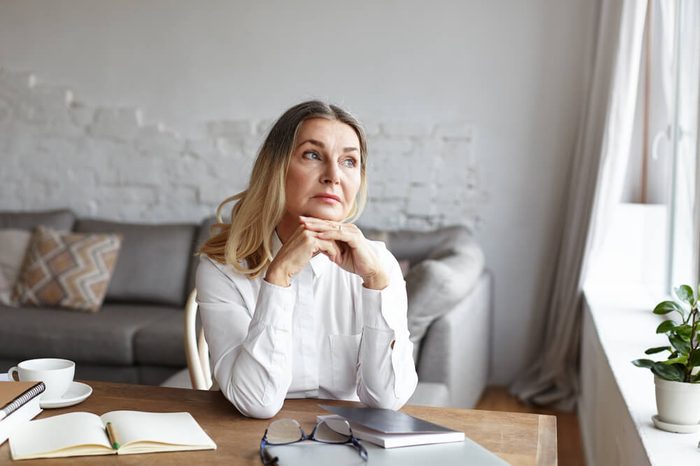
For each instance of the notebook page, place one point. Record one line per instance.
(56, 433)
(167, 428)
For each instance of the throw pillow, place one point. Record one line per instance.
(435, 285)
(13, 246)
(69, 270)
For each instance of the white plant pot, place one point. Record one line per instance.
(677, 402)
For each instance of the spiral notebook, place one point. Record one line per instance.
(14, 395)
(19, 403)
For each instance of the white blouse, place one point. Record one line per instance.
(324, 336)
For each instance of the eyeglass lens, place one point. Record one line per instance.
(284, 431)
(333, 431)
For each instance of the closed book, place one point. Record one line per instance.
(391, 429)
(18, 417)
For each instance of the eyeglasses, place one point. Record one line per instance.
(287, 431)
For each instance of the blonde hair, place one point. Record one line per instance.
(246, 242)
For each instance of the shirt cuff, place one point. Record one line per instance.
(373, 309)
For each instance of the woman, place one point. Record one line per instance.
(294, 301)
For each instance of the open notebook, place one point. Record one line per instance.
(84, 434)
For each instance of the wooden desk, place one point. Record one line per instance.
(520, 439)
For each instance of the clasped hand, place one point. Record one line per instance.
(343, 243)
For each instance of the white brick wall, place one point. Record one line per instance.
(56, 151)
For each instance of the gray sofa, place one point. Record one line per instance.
(137, 336)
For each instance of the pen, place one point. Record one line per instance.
(110, 435)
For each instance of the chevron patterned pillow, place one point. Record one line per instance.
(65, 269)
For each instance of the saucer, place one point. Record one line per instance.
(76, 393)
(677, 428)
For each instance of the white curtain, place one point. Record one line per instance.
(597, 179)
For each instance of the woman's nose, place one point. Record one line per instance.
(330, 174)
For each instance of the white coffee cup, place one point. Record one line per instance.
(57, 375)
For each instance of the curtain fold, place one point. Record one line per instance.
(597, 179)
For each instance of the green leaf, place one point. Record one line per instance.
(666, 326)
(646, 363)
(684, 331)
(694, 358)
(657, 349)
(666, 372)
(665, 307)
(683, 346)
(682, 360)
(685, 294)
(682, 369)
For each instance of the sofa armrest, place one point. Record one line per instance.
(457, 346)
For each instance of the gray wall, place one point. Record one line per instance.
(512, 71)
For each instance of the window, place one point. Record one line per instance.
(682, 141)
(652, 241)
(661, 176)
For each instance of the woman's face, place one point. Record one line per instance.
(324, 171)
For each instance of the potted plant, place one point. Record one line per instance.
(676, 379)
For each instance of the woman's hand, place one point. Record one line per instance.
(352, 251)
(296, 252)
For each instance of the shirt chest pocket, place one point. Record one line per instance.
(344, 360)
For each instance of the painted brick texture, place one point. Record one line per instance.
(105, 162)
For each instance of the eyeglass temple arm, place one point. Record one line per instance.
(265, 456)
(360, 447)
(268, 459)
(356, 443)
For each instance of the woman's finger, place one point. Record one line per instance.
(317, 224)
(330, 249)
(348, 234)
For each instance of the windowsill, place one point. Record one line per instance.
(625, 327)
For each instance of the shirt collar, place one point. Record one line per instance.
(319, 263)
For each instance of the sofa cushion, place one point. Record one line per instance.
(13, 245)
(180, 379)
(162, 342)
(65, 269)
(430, 394)
(153, 262)
(444, 266)
(56, 219)
(155, 375)
(104, 338)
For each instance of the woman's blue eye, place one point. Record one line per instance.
(311, 155)
(350, 163)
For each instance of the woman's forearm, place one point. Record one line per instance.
(386, 374)
(259, 379)
(257, 376)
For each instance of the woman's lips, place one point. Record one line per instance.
(331, 198)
